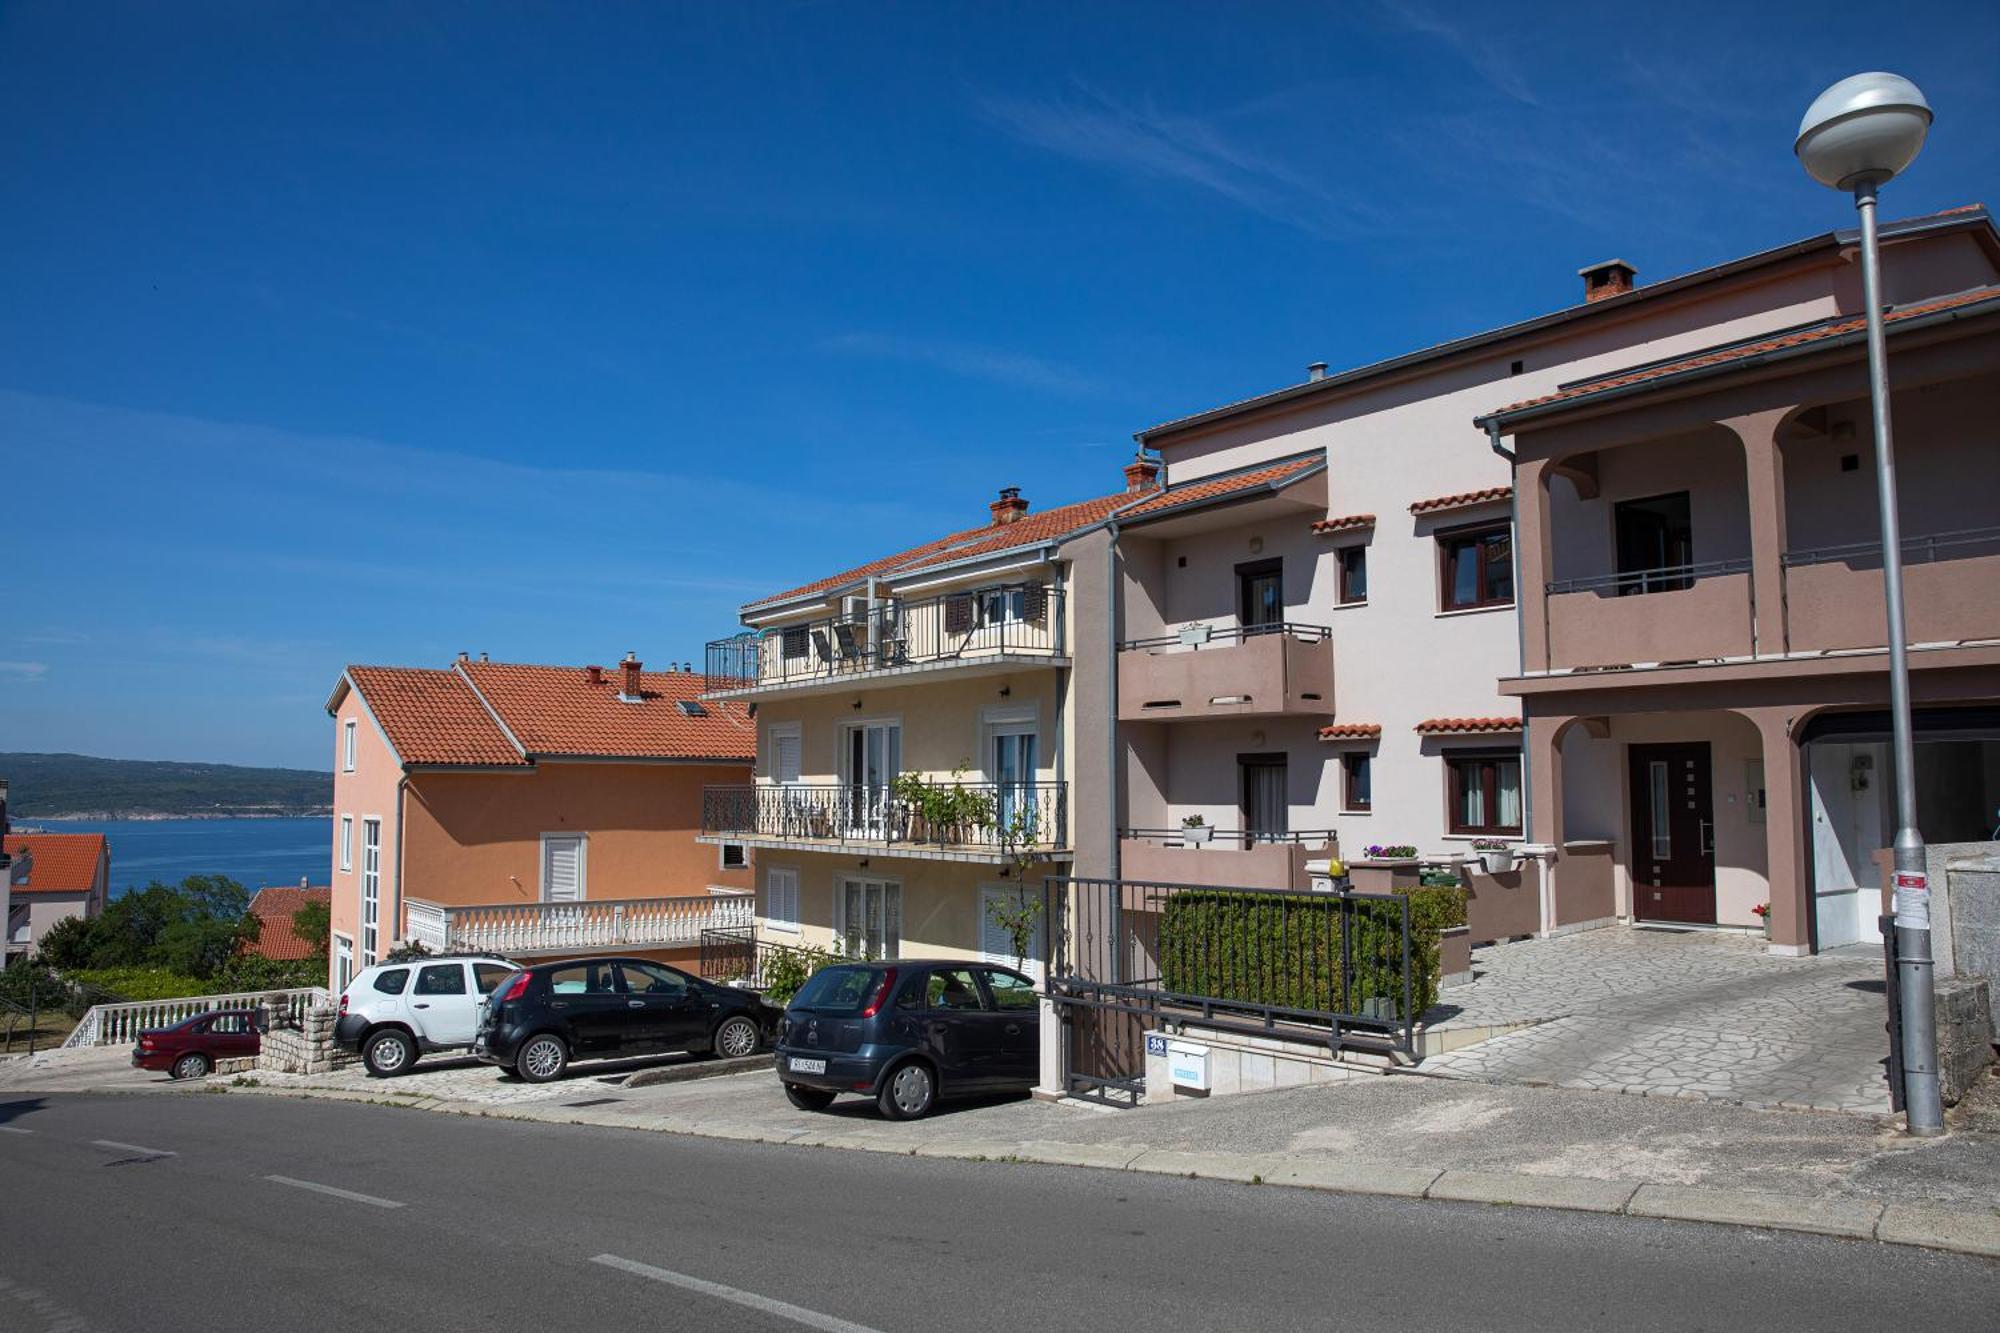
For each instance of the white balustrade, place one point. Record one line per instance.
(115, 1024)
(527, 928)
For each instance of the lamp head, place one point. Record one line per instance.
(1865, 129)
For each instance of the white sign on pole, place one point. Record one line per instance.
(1913, 899)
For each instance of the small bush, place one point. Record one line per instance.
(786, 969)
(142, 983)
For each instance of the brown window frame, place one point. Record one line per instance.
(1449, 542)
(1349, 761)
(1358, 553)
(1454, 790)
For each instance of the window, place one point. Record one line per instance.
(343, 960)
(347, 842)
(1010, 991)
(1358, 781)
(441, 979)
(871, 918)
(1260, 595)
(734, 856)
(563, 868)
(1485, 792)
(583, 979)
(781, 899)
(1263, 784)
(1655, 539)
(795, 643)
(347, 746)
(652, 979)
(1003, 606)
(393, 981)
(371, 889)
(1353, 574)
(953, 989)
(1478, 569)
(488, 976)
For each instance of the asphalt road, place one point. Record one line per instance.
(207, 1212)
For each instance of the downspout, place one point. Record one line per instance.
(1114, 588)
(402, 810)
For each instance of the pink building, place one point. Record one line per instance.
(55, 876)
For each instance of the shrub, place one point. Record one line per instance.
(786, 968)
(142, 983)
(1285, 950)
(69, 943)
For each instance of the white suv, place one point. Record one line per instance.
(392, 1012)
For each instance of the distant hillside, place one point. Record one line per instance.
(80, 785)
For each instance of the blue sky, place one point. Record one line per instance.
(355, 332)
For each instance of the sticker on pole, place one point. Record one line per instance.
(1913, 899)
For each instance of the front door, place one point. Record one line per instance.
(1673, 833)
(874, 757)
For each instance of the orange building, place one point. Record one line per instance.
(533, 811)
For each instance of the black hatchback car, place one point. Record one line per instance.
(543, 1017)
(908, 1033)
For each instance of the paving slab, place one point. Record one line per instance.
(1934, 1228)
(1789, 1212)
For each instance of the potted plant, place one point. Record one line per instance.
(1390, 851)
(1195, 831)
(1763, 911)
(1496, 853)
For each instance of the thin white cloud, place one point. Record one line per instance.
(1018, 369)
(23, 673)
(1481, 52)
(1146, 141)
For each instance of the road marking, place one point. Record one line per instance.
(349, 1195)
(133, 1147)
(9, 1129)
(798, 1314)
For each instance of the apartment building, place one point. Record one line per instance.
(54, 876)
(1704, 664)
(532, 811)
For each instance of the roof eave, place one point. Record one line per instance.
(1257, 491)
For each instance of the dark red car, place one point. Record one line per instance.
(190, 1048)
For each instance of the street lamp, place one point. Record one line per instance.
(1855, 136)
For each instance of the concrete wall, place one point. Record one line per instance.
(369, 792)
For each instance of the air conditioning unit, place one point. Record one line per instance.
(854, 610)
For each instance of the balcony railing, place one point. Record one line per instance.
(1205, 671)
(985, 816)
(1675, 613)
(1230, 837)
(1206, 636)
(1667, 578)
(1010, 620)
(1833, 594)
(511, 929)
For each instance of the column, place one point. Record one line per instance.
(1786, 801)
(1764, 473)
(1533, 559)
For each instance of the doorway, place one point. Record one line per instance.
(1262, 781)
(1655, 543)
(1673, 833)
(1260, 596)
(872, 759)
(871, 918)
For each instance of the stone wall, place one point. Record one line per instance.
(306, 1049)
(1968, 943)
(1964, 1034)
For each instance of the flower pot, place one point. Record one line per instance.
(1196, 835)
(1498, 862)
(1767, 925)
(1194, 636)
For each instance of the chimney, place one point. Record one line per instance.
(633, 692)
(1602, 281)
(484, 658)
(594, 675)
(1010, 506)
(1316, 371)
(464, 656)
(305, 881)
(1140, 474)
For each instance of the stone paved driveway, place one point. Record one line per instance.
(1701, 1015)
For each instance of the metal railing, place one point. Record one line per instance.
(1204, 636)
(1667, 578)
(1923, 549)
(554, 927)
(113, 1024)
(1231, 837)
(983, 815)
(1014, 619)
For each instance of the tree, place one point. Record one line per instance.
(69, 943)
(194, 927)
(313, 923)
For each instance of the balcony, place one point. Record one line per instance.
(518, 930)
(1228, 860)
(991, 823)
(1834, 600)
(1685, 613)
(989, 630)
(1253, 671)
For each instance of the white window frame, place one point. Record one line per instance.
(582, 866)
(773, 921)
(779, 730)
(371, 921)
(348, 729)
(840, 884)
(343, 960)
(347, 843)
(742, 851)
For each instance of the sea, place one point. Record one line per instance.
(256, 853)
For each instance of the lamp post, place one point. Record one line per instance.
(1857, 135)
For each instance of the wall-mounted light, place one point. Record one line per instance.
(1006, 691)
(1256, 738)
(1256, 545)
(857, 703)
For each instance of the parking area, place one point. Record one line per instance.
(1703, 1015)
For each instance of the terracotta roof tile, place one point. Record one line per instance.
(1351, 731)
(1214, 488)
(274, 909)
(59, 862)
(1457, 726)
(1345, 523)
(557, 711)
(434, 717)
(1462, 499)
(1723, 355)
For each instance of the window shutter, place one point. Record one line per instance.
(564, 874)
(795, 643)
(1034, 602)
(958, 614)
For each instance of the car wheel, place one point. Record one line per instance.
(388, 1053)
(909, 1092)
(736, 1038)
(192, 1065)
(542, 1059)
(808, 1099)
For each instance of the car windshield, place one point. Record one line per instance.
(837, 990)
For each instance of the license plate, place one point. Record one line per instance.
(808, 1066)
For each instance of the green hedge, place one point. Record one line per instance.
(1284, 949)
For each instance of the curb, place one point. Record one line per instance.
(1919, 1226)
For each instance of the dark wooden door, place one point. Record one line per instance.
(1673, 833)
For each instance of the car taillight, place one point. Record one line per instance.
(145, 1043)
(343, 1004)
(515, 989)
(881, 994)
